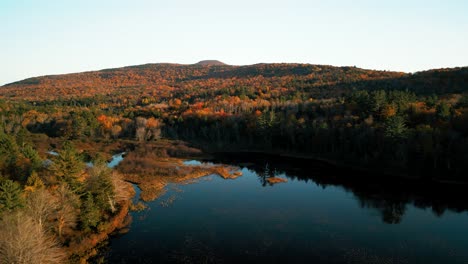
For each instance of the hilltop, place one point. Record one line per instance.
(284, 80)
(210, 63)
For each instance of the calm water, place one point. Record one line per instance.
(116, 159)
(318, 216)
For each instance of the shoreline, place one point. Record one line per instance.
(86, 249)
(366, 171)
(81, 251)
(153, 186)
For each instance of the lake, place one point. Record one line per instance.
(320, 215)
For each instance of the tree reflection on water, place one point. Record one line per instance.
(389, 196)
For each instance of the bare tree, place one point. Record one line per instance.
(154, 128)
(116, 130)
(123, 190)
(24, 241)
(66, 214)
(40, 205)
(141, 121)
(140, 132)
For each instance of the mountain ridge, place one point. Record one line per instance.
(164, 79)
(203, 63)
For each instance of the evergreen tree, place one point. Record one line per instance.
(395, 127)
(378, 100)
(30, 153)
(100, 185)
(431, 100)
(10, 196)
(90, 215)
(443, 111)
(9, 153)
(68, 166)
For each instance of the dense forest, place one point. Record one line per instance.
(408, 124)
(404, 125)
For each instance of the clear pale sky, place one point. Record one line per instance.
(40, 37)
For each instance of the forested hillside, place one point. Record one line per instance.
(410, 124)
(166, 81)
(281, 81)
(406, 125)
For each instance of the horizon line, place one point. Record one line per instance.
(225, 64)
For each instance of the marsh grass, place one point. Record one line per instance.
(275, 180)
(152, 169)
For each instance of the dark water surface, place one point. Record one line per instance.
(321, 215)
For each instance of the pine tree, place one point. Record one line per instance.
(9, 152)
(395, 128)
(90, 215)
(100, 185)
(443, 111)
(10, 196)
(68, 166)
(30, 153)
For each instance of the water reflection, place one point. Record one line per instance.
(321, 215)
(377, 192)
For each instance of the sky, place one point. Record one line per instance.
(41, 37)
